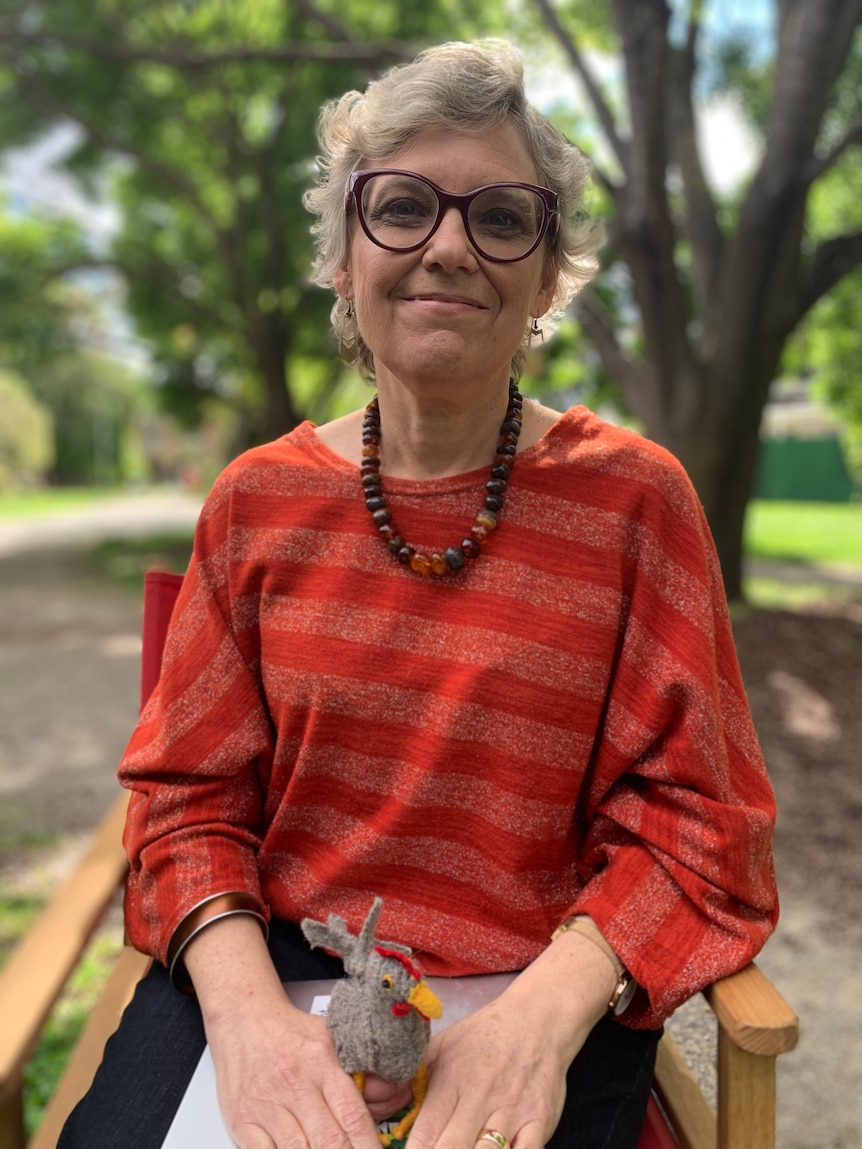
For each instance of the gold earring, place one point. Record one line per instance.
(348, 336)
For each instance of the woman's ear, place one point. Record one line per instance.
(343, 283)
(547, 289)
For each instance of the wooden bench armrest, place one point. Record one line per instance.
(38, 968)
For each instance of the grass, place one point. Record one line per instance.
(809, 533)
(50, 501)
(125, 560)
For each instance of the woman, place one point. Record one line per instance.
(453, 649)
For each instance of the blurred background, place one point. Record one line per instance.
(156, 319)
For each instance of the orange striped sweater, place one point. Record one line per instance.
(559, 728)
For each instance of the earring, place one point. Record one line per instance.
(535, 329)
(348, 335)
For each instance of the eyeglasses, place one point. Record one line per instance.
(400, 211)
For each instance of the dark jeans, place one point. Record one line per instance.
(149, 1062)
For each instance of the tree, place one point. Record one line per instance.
(211, 107)
(26, 450)
(718, 288)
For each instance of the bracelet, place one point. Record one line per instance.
(197, 919)
(581, 924)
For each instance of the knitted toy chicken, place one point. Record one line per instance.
(380, 1013)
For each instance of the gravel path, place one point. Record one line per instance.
(69, 652)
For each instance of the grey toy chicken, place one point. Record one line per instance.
(380, 1013)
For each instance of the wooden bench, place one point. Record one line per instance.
(755, 1024)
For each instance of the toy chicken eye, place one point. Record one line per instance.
(386, 981)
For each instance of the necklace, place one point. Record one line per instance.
(454, 557)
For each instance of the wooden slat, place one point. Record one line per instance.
(754, 1014)
(692, 1118)
(12, 1117)
(87, 1055)
(746, 1097)
(39, 967)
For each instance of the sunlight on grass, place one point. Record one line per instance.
(763, 593)
(52, 501)
(804, 532)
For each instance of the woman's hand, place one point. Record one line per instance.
(278, 1079)
(504, 1067)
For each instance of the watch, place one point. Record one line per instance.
(624, 991)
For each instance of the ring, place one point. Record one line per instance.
(494, 1135)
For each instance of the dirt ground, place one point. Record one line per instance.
(68, 685)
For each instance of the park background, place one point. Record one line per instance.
(156, 318)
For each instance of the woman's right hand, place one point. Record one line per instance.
(278, 1079)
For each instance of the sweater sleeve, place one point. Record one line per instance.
(194, 760)
(676, 811)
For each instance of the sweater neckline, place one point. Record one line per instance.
(570, 420)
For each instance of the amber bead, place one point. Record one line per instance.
(487, 519)
(387, 532)
(420, 563)
(369, 452)
(508, 440)
(470, 548)
(454, 558)
(438, 564)
(479, 533)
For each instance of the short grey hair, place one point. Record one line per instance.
(471, 87)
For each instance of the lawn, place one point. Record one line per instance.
(813, 533)
(50, 500)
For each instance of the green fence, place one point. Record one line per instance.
(808, 470)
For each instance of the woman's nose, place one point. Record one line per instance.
(450, 246)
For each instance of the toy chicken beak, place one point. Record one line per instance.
(425, 1001)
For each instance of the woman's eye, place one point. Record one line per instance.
(398, 212)
(386, 981)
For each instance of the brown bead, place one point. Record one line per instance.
(369, 452)
(370, 467)
(387, 532)
(395, 544)
(493, 502)
(454, 558)
(511, 427)
(496, 486)
(470, 548)
(420, 563)
(405, 554)
(479, 533)
(500, 471)
(438, 564)
(378, 503)
(381, 516)
(487, 519)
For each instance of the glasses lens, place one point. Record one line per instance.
(506, 221)
(399, 210)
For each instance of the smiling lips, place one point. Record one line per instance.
(437, 297)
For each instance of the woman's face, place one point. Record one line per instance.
(444, 312)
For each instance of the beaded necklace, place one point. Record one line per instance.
(454, 557)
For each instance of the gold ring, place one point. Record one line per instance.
(494, 1135)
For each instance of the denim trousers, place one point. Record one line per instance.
(150, 1060)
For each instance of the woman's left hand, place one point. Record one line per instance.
(504, 1067)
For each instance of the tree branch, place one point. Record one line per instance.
(597, 324)
(817, 165)
(367, 54)
(597, 99)
(833, 259)
(333, 28)
(165, 175)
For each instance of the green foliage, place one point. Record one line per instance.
(36, 306)
(93, 401)
(26, 435)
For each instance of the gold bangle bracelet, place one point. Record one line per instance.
(202, 915)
